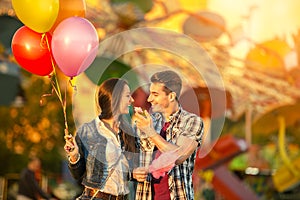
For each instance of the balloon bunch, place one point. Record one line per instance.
(55, 33)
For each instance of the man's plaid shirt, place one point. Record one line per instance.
(180, 177)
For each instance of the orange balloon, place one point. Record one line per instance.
(69, 8)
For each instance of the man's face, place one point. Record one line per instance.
(158, 98)
(36, 165)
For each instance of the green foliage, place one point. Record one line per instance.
(236, 128)
(145, 5)
(34, 129)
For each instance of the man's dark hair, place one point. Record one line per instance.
(170, 79)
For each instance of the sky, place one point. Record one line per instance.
(266, 18)
(260, 20)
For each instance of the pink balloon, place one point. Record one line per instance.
(74, 45)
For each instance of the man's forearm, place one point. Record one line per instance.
(184, 148)
(162, 144)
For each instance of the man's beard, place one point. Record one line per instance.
(157, 108)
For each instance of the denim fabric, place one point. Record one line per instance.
(100, 152)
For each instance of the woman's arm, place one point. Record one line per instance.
(73, 148)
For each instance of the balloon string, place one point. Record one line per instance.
(55, 85)
(72, 85)
(44, 41)
(65, 112)
(53, 64)
(46, 95)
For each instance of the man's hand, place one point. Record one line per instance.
(140, 174)
(144, 123)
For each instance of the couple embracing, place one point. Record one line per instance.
(155, 151)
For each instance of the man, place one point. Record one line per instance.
(183, 134)
(29, 188)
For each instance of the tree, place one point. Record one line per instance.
(37, 128)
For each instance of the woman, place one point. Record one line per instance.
(97, 153)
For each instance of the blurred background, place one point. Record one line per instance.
(254, 45)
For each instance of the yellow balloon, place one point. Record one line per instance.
(38, 15)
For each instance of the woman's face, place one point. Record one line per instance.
(126, 100)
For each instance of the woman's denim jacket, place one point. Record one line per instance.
(92, 166)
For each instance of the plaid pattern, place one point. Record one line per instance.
(180, 177)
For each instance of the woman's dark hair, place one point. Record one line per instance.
(108, 97)
(128, 134)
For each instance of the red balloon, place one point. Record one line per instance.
(32, 51)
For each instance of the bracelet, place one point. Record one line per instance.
(73, 163)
